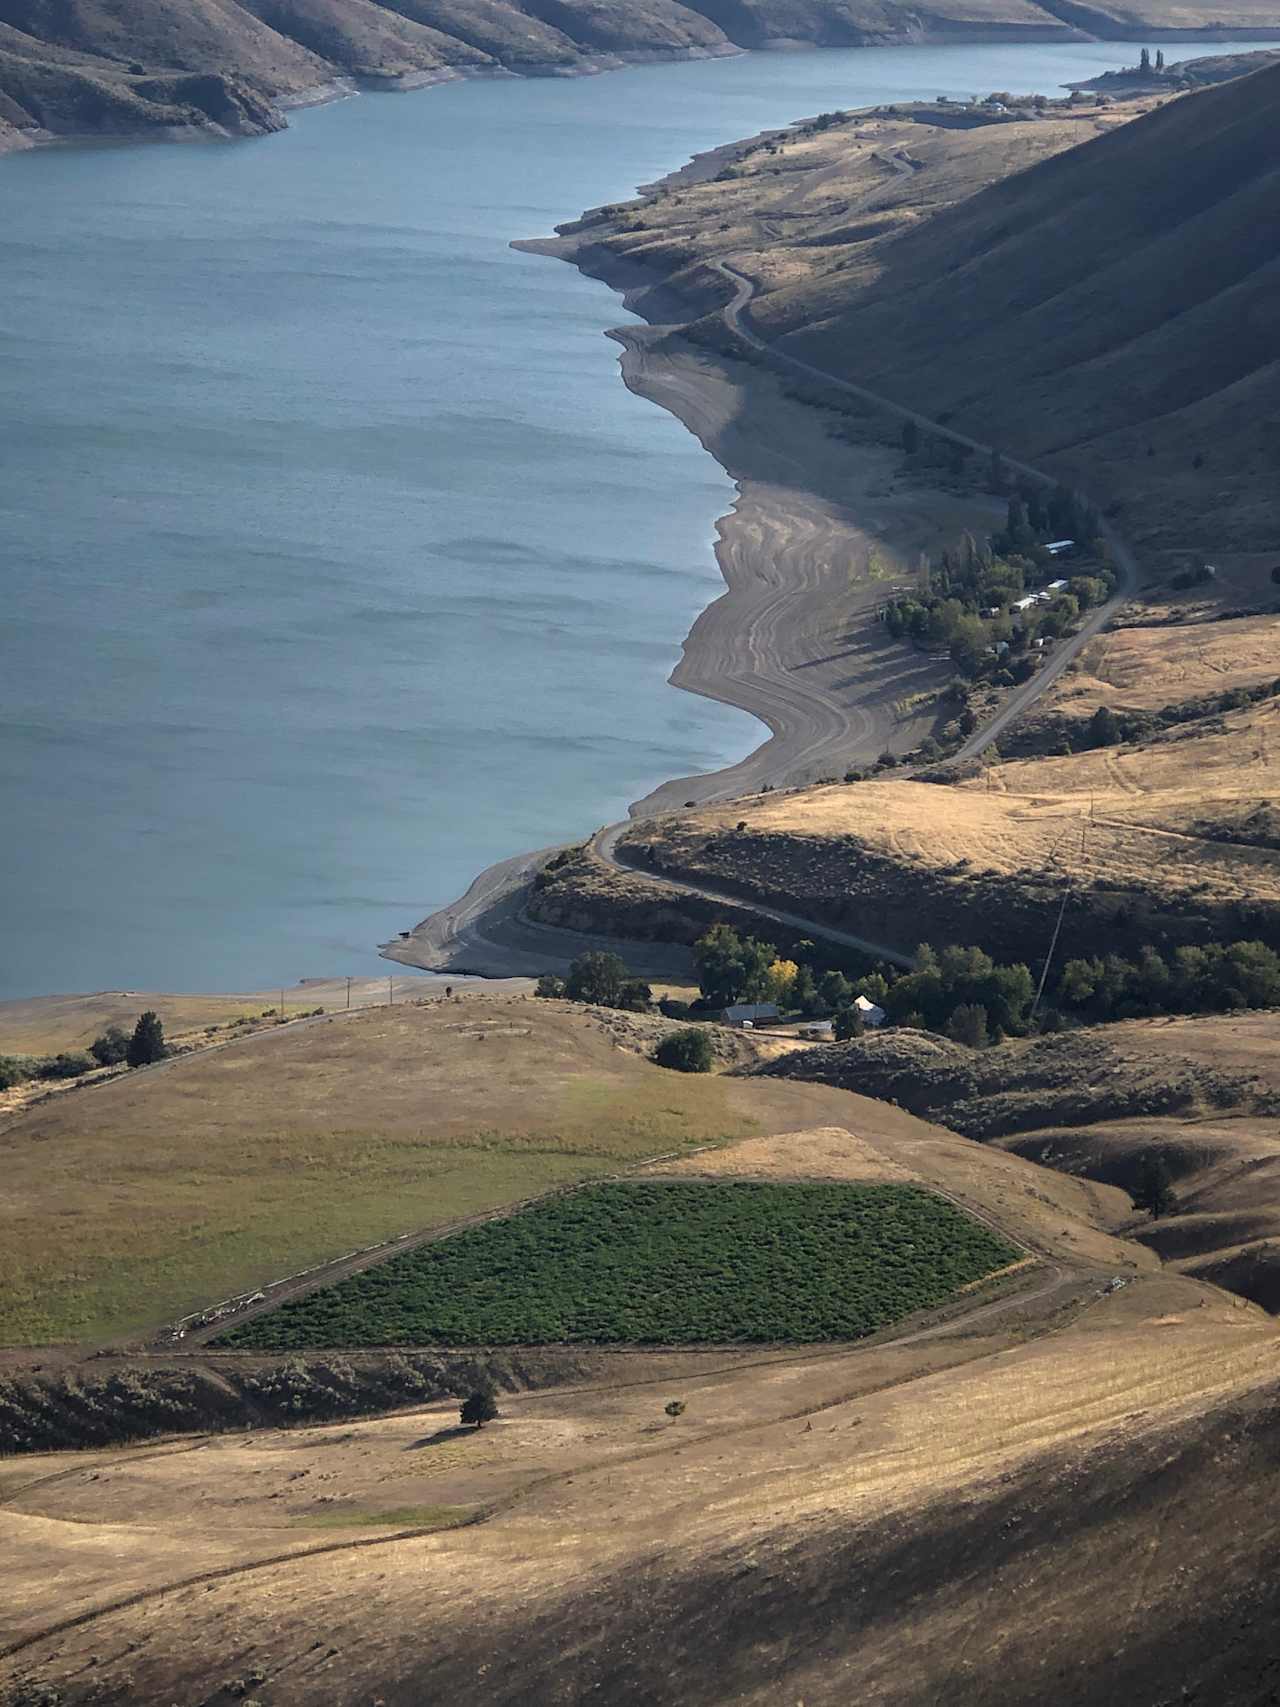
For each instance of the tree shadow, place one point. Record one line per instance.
(454, 1431)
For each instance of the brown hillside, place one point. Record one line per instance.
(287, 47)
(1202, 1093)
(1172, 838)
(1119, 296)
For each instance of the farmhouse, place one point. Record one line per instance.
(750, 1013)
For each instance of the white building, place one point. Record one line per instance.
(871, 1013)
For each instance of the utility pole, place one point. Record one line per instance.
(391, 991)
(348, 992)
(282, 1004)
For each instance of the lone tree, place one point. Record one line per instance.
(687, 1051)
(147, 1043)
(1154, 1191)
(479, 1408)
(596, 977)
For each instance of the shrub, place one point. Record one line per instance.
(635, 996)
(15, 1070)
(69, 1065)
(848, 1024)
(549, 985)
(687, 1051)
(110, 1047)
(968, 1025)
(673, 1008)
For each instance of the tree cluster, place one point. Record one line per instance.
(112, 1047)
(602, 979)
(1212, 979)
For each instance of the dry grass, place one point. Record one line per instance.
(823, 1152)
(1124, 817)
(1143, 669)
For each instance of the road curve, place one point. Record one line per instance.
(494, 903)
(744, 289)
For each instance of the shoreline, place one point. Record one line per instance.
(343, 85)
(818, 532)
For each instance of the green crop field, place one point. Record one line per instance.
(668, 1263)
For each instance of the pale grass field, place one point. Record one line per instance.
(1124, 815)
(1142, 669)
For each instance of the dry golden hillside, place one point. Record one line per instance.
(1147, 668)
(1139, 834)
(1062, 1495)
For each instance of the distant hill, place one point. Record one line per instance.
(1112, 312)
(251, 51)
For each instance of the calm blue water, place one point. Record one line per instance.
(329, 561)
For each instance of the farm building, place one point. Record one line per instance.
(1056, 547)
(872, 1013)
(750, 1013)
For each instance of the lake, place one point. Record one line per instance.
(330, 568)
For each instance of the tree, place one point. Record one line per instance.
(111, 1047)
(835, 990)
(732, 968)
(479, 1407)
(1159, 59)
(782, 978)
(674, 1408)
(910, 437)
(968, 1025)
(1104, 727)
(848, 1024)
(804, 992)
(1154, 1191)
(147, 1043)
(635, 996)
(1144, 60)
(549, 985)
(687, 1051)
(596, 976)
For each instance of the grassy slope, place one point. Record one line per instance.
(129, 1204)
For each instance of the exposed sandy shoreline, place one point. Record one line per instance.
(819, 533)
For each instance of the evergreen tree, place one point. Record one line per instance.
(968, 1025)
(147, 1043)
(1159, 59)
(1144, 61)
(1154, 1191)
(479, 1407)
